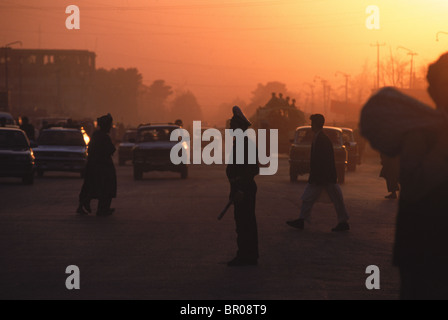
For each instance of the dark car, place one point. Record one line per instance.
(299, 154)
(126, 146)
(61, 149)
(352, 148)
(16, 155)
(7, 120)
(152, 151)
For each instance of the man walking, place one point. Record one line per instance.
(323, 178)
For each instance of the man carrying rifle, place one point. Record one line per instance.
(243, 190)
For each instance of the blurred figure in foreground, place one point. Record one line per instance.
(100, 180)
(323, 178)
(243, 190)
(399, 125)
(391, 172)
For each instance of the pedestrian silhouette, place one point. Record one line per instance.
(100, 180)
(399, 125)
(322, 178)
(243, 190)
(390, 171)
(27, 127)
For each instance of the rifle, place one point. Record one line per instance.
(223, 212)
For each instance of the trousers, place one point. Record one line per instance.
(313, 192)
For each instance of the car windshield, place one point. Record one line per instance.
(154, 134)
(61, 138)
(305, 136)
(6, 120)
(128, 136)
(348, 136)
(10, 139)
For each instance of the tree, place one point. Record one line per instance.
(153, 102)
(186, 107)
(116, 92)
(263, 94)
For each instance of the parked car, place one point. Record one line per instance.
(299, 154)
(352, 148)
(6, 119)
(126, 146)
(152, 150)
(16, 155)
(61, 149)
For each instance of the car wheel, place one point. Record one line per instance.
(293, 174)
(341, 174)
(28, 179)
(184, 173)
(138, 173)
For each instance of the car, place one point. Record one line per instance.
(352, 148)
(16, 155)
(153, 148)
(126, 146)
(61, 149)
(300, 151)
(7, 120)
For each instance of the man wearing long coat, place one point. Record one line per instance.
(100, 180)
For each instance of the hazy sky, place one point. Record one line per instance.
(221, 49)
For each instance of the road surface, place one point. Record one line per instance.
(164, 241)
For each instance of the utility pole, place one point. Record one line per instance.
(312, 96)
(412, 54)
(324, 88)
(377, 45)
(347, 76)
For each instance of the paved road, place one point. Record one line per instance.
(165, 243)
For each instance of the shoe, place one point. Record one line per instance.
(87, 207)
(298, 224)
(342, 226)
(240, 262)
(81, 211)
(393, 195)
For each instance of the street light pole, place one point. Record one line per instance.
(412, 54)
(377, 45)
(437, 34)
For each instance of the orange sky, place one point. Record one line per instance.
(221, 49)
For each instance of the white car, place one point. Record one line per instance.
(152, 150)
(61, 149)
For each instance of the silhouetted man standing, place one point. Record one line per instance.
(323, 178)
(243, 190)
(100, 180)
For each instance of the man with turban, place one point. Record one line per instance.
(243, 190)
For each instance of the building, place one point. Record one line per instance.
(49, 82)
